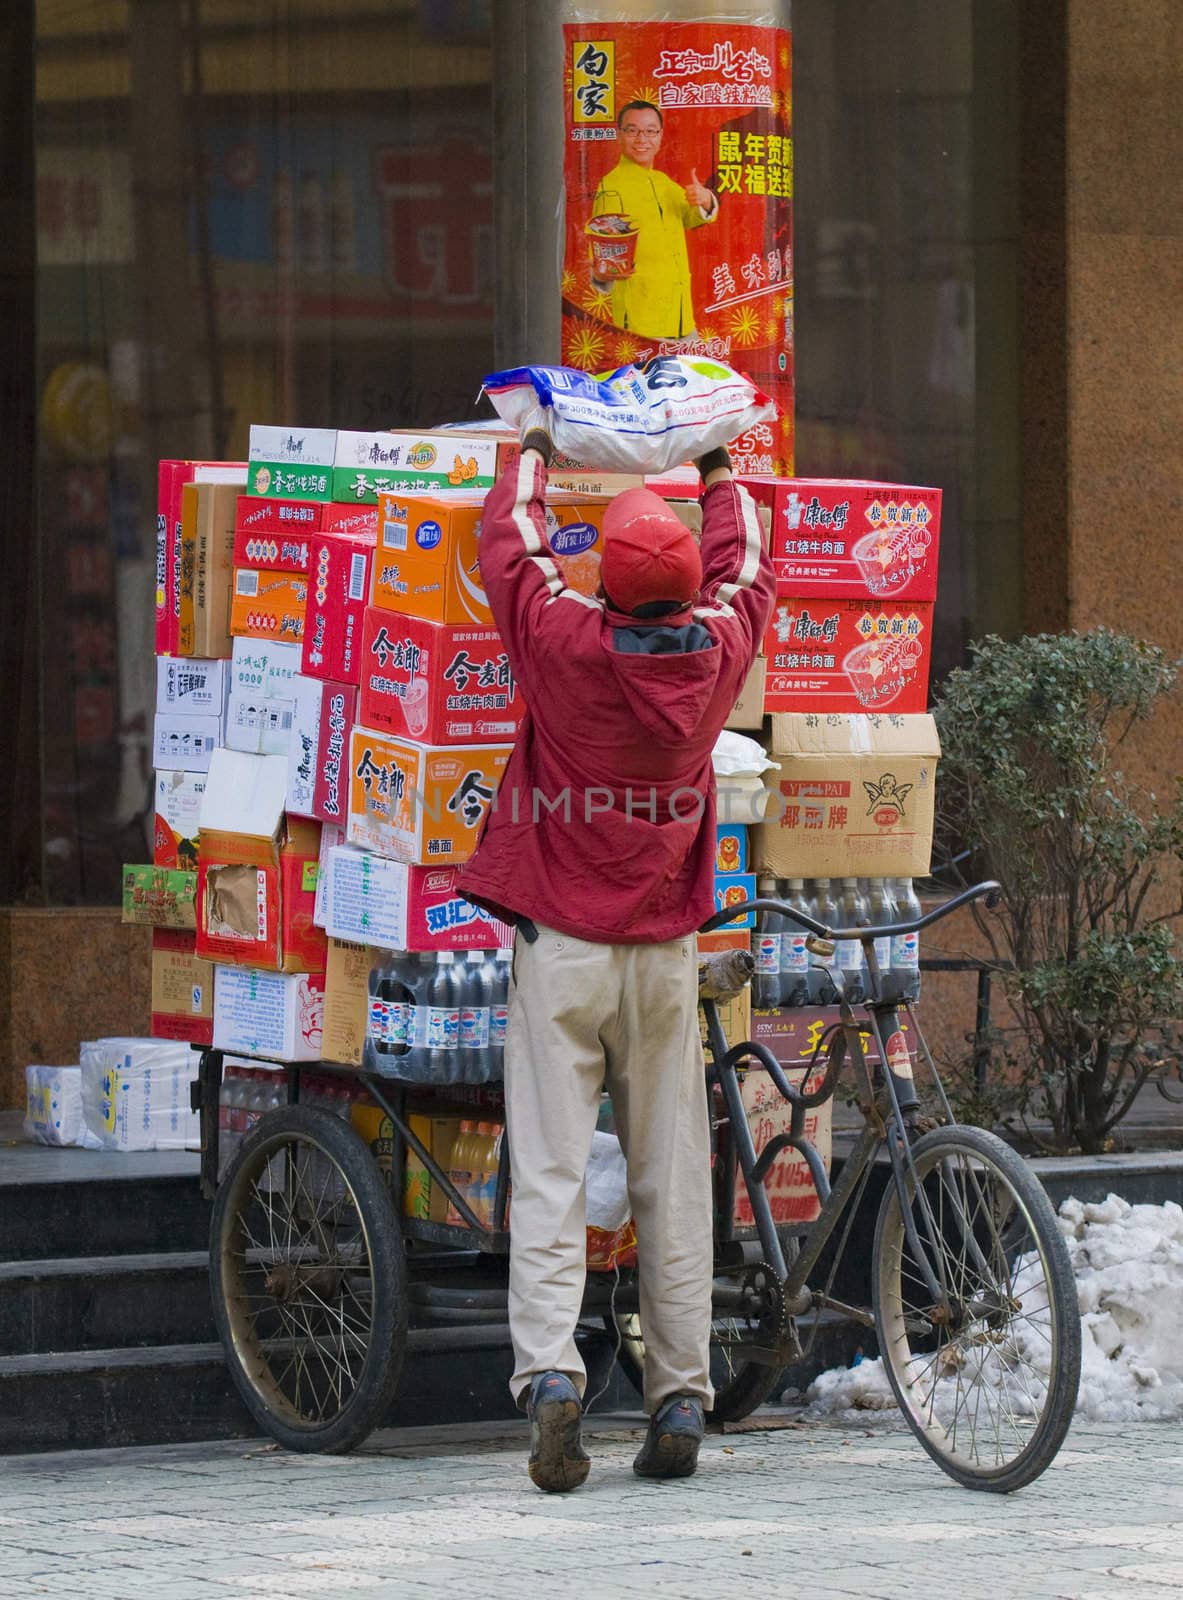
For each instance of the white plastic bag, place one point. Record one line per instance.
(607, 1184)
(135, 1094)
(53, 1107)
(735, 753)
(637, 419)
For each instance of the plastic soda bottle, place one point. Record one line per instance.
(905, 947)
(766, 983)
(794, 957)
(443, 1020)
(881, 910)
(850, 951)
(499, 1013)
(822, 990)
(475, 1008)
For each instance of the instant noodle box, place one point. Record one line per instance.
(291, 463)
(420, 803)
(843, 538)
(330, 800)
(353, 521)
(261, 526)
(338, 590)
(256, 875)
(268, 605)
(394, 906)
(436, 682)
(853, 797)
(848, 655)
(426, 563)
(368, 464)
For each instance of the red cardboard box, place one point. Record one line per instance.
(395, 906)
(338, 589)
(256, 873)
(338, 715)
(274, 522)
(848, 655)
(357, 522)
(438, 682)
(171, 479)
(844, 538)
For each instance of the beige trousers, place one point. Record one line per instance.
(581, 1016)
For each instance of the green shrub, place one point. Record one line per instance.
(1088, 862)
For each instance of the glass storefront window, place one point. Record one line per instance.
(283, 210)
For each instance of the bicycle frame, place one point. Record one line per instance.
(889, 1108)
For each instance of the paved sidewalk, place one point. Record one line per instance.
(832, 1510)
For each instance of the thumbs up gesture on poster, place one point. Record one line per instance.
(698, 195)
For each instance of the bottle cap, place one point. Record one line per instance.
(446, 957)
(508, 953)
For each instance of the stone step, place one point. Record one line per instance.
(91, 1399)
(104, 1214)
(105, 1302)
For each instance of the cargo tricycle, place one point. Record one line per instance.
(972, 1301)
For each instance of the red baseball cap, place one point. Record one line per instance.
(649, 555)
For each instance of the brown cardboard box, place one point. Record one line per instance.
(207, 560)
(747, 714)
(347, 998)
(182, 988)
(853, 797)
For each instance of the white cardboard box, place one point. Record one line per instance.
(308, 701)
(189, 687)
(262, 667)
(366, 899)
(259, 724)
(184, 743)
(178, 813)
(277, 1015)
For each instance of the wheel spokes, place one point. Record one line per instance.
(299, 1281)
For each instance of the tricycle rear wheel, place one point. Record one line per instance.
(307, 1274)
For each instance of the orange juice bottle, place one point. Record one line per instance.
(487, 1167)
(460, 1168)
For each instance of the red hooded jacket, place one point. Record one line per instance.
(604, 823)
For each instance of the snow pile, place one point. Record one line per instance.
(1128, 1262)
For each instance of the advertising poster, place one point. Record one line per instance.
(678, 179)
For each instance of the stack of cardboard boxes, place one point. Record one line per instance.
(846, 666)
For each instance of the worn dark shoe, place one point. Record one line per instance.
(676, 1430)
(558, 1461)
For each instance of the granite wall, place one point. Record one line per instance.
(67, 975)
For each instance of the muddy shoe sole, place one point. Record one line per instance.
(558, 1461)
(670, 1455)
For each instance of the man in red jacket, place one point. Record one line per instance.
(601, 850)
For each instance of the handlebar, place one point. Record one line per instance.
(991, 891)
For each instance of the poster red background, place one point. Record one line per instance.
(724, 94)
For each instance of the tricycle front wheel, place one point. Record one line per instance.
(307, 1272)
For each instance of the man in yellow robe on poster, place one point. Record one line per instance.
(654, 300)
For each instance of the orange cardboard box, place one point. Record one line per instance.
(268, 605)
(426, 564)
(256, 870)
(419, 803)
